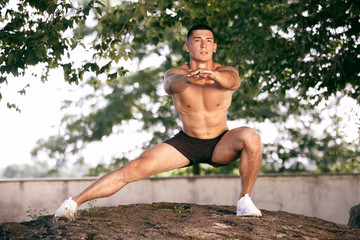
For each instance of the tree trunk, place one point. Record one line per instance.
(196, 169)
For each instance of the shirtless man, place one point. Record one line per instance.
(202, 92)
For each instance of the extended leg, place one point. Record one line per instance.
(158, 159)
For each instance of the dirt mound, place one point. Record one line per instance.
(177, 221)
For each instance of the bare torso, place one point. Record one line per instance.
(203, 108)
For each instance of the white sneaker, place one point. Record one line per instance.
(246, 207)
(67, 209)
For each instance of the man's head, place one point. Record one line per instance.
(200, 43)
(199, 27)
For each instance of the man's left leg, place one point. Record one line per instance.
(245, 143)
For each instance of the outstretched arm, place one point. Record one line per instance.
(175, 80)
(178, 79)
(226, 77)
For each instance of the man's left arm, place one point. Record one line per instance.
(227, 77)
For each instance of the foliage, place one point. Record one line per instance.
(93, 207)
(302, 144)
(36, 32)
(205, 169)
(35, 214)
(37, 170)
(41, 169)
(291, 55)
(103, 168)
(179, 208)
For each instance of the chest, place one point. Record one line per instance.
(200, 97)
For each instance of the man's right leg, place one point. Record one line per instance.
(160, 158)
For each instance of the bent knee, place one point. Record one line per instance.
(249, 136)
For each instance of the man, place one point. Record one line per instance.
(202, 92)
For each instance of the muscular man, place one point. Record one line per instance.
(202, 92)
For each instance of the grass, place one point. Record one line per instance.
(179, 208)
(35, 214)
(93, 207)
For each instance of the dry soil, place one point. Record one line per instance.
(177, 221)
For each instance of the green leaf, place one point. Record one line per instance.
(98, 10)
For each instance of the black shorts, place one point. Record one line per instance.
(195, 149)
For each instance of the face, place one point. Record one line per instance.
(201, 45)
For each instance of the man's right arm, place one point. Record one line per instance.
(176, 80)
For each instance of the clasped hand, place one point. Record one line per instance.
(201, 76)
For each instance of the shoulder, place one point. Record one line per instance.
(217, 65)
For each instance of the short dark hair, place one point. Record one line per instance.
(199, 27)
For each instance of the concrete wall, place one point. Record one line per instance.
(328, 196)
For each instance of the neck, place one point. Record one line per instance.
(196, 65)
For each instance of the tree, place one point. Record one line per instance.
(34, 32)
(290, 55)
(40, 169)
(298, 145)
(295, 44)
(37, 170)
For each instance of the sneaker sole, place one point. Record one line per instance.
(250, 215)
